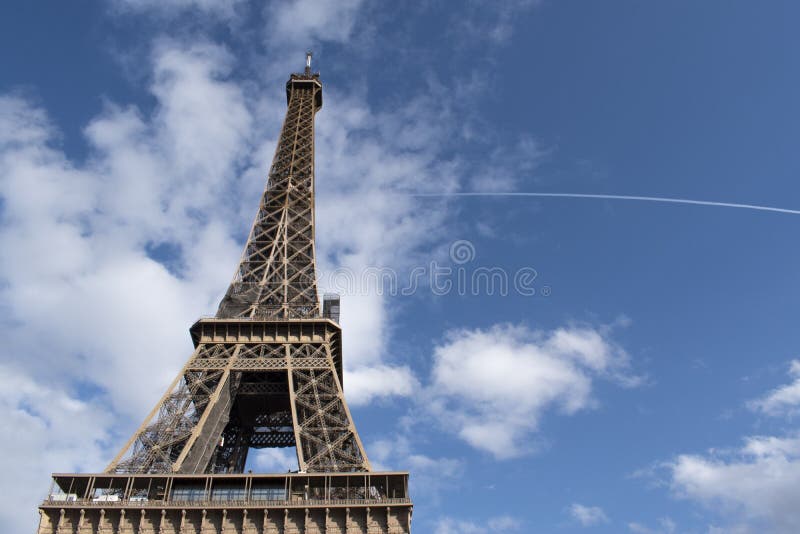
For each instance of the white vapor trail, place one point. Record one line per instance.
(615, 197)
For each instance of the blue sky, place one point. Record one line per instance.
(650, 385)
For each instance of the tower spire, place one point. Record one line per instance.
(309, 53)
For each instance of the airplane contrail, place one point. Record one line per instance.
(670, 200)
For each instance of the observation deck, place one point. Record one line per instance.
(291, 503)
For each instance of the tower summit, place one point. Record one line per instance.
(266, 372)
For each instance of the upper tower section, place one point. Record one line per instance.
(276, 277)
(297, 80)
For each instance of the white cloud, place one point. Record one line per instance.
(493, 386)
(482, 21)
(754, 487)
(665, 526)
(224, 9)
(369, 383)
(81, 280)
(275, 460)
(588, 515)
(507, 166)
(31, 125)
(783, 400)
(430, 474)
(498, 524)
(305, 21)
(751, 488)
(44, 426)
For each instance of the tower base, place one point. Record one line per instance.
(294, 503)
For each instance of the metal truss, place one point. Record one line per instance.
(324, 429)
(276, 277)
(266, 371)
(231, 397)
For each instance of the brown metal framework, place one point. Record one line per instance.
(266, 370)
(282, 387)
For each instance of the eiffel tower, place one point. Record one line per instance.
(266, 371)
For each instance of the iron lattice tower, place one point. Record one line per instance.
(266, 372)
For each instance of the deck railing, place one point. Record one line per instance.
(220, 503)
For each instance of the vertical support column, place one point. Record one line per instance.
(167, 489)
(301, 461)
(128, 489)
(61, 514)
(340, 390)
(214, 399)
(89, 493)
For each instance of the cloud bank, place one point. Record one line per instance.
(492, 387)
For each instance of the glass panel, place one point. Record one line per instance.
(268, 493)
(188, 493)
(228, 493)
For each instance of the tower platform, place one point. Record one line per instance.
(292, 503)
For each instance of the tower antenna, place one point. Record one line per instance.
(309, 54)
